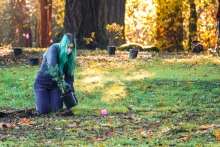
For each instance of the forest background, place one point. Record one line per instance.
(170, 25)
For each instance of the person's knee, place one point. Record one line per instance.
(43, 110)
(57, 107)
(42, 107)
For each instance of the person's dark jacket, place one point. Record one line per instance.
(52, 58)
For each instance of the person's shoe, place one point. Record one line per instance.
(65, 112)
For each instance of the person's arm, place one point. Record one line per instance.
(52, 56)
(69, 79)
(51, 60)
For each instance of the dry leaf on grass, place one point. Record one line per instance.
(128, 117)
(112, 116)
(217, 126)
(3, 137)
(216, 133)
(165, 130)
(73, 125)
(206, 127)
(7, 125)
(98, 140)
(26, 122)
(147, 133)
(109, 134)
(184, 137)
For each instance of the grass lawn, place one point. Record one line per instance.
(153, 100)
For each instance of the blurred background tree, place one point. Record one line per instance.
(84, 17)
(170, 25)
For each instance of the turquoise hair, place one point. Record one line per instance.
(63, 53)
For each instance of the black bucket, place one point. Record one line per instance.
(69, 100)
(17, 51)
(111, 50)
(34, 61)
(133, 53)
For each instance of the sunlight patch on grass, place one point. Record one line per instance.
(115, 92)
(93, 71)
(92, 79)
(141, 74)
(89, 84)
(196, 59)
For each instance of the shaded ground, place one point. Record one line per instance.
(129, 129)
(7, 56)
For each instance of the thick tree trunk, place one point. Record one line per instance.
(44, 22)
(192, 23)
(85, 16)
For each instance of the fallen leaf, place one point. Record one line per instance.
(147, 133)
(216, 133)
(98, 140)
(6, 125)
(22, 138)
(3, 137)
(126, 133)
(217, 126)
(26, 122)
(32, 122)
(111, 116)
(109, 134)
(206, 127)
(184, 138)
(211, 71)
(140, 130)
(128, 117)
(188, 83)
(72, 125)
(165, 130)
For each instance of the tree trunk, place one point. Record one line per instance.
(192, 23)
(82, 17)
(44, 22)
(20, 19)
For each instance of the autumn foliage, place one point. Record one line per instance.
(165, 24)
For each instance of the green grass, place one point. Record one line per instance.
(176, 92)
(17, 86)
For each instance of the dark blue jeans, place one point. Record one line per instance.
(47, 95)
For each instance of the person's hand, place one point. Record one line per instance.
(67, 87)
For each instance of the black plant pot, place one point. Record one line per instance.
(133, 53)
(17, 51)
(111, 50)
(34, 61)
(69, 99)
